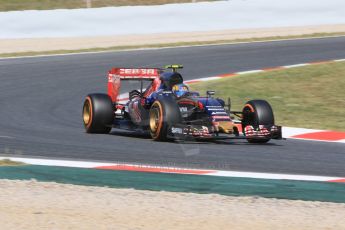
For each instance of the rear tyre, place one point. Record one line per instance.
(163, 114)
(98, 113)
(255, 113)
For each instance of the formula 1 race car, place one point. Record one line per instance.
(158, 102)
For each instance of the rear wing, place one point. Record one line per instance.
(115, 76)
(142, 73)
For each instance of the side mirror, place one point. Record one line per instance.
(210, 93)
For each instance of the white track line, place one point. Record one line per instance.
(7, 137)
(273, 176)
(208, 78)
(249, 71)
(81, 164)
(297, 65)
(291, 131)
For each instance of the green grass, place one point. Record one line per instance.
(308, 97)
(7, 162)
(9, 5)
(177, 44)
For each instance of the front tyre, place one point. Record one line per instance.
(163, 114)
(98, 113)
(256, 113)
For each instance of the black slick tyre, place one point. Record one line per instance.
(255, 113)
(163, 114)
(98, 113)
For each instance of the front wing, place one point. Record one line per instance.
(183, 131)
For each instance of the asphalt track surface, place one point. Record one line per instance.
(41, 101)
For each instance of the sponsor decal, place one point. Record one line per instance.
(220, 117)
(138, 72)
(183, 109)
(223, 113)
(200, 132)
(113, 78)
(176, 130)
(223, 118)
(215, 109)
(195, 131)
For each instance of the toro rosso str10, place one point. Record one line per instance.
(161, 104)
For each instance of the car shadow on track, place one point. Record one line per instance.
(244, 142)
(237, 142)
(131, 134)
(146, 136)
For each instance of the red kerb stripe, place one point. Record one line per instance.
(338, 181)
(228, 75)
(323, 135)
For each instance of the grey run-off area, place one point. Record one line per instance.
(170, 18)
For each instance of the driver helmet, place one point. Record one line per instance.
(180, 89)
